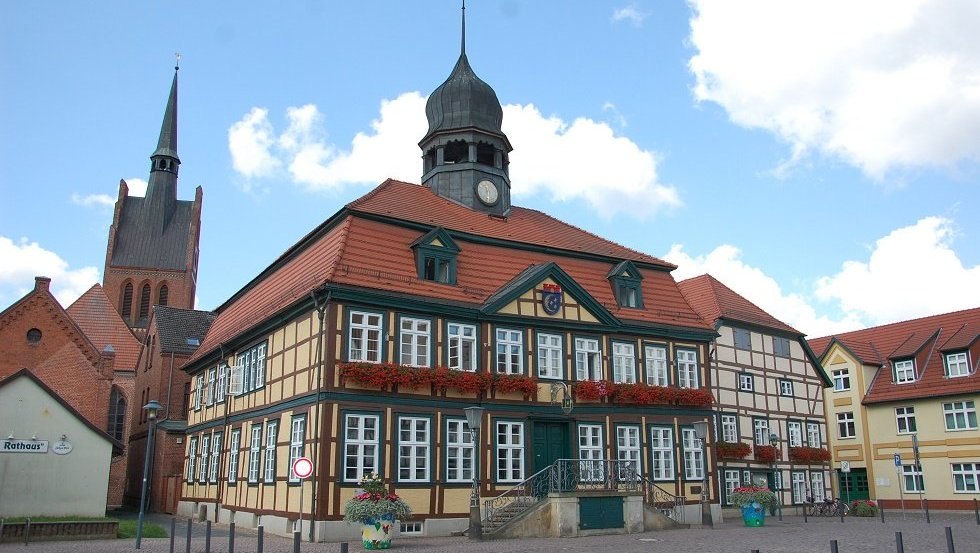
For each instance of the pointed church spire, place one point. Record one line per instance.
(462, 46)
(161, 190)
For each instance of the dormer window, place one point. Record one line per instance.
(957, 365)
(435, 257)
(904, 371)
(626, 282)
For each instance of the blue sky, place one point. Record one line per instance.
(820, 158)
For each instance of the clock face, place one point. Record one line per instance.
(487, 192)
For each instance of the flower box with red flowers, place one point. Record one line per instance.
(733, 450)
(765, 453)
(809, 455)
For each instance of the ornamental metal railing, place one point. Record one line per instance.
(670, 505)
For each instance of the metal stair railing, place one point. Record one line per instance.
(518, 499)
(672, 506)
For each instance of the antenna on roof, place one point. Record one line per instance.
(177, 64)
(462, 46)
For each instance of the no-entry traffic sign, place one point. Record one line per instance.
(302, 468)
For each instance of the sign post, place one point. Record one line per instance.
(901, 485)
(918, 477)
(844, 480)
(302, 469)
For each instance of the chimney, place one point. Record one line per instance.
(42, 284)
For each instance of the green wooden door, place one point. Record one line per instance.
(854, 484)
(551, 442)
(595, 513)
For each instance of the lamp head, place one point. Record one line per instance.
(474, 416)
(701, 429)
(773, 438)
(151, 409)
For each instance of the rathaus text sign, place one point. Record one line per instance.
(23, 446)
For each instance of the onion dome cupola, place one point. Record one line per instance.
(464, 152)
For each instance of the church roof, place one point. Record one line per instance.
(714, 300)
(137, 246)
(101, 323)
(367, 246)
(181, 331)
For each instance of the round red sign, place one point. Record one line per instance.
(302, 467)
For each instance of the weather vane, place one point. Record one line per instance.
(177, 65)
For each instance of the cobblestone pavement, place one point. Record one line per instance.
(793, 535)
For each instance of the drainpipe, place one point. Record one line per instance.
(224, 430)
(321, 309)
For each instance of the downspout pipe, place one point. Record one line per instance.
(321, 311)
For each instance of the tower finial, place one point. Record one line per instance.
(462, 47)
(177, 64)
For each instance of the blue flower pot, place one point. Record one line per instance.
(754, 515)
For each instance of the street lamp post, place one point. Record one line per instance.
(474, 416)
(701, 431)
(774, 442)
(151, 416)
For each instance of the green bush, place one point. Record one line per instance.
(864, 508)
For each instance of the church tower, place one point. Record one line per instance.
(464, 152)
(153, 249)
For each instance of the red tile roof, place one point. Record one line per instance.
(99, 320)
(713, 300)
(924, 339)
(365, 248)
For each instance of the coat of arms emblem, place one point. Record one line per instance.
(551, 298)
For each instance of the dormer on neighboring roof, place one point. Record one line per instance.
(626, 282)
(957, 361)
(913, 352)
(435, 256)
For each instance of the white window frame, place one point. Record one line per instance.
(191, 459)
(746, 382)
(963, 415)
(252, 361)
(904, 371)
(786, 388)
(509, 358)
(911, 474)
(222, 383)
(271, 448)
(662, 453)
(462, 346)
(966, 477)
(297, 443)
(957, 365)
(362, 440)
(733, 479)
(655, 358)
(588, 359)
(813, 437)
(794, 433)
(217, 441)
(798, 485)
(364, 333)
(842, 380)
(760, 431)
(624, 363)
(414, 437)
(509, 454)
(729, 429)
(205, 455)
(628, 445)
(459, 451)
(590, 451)
(211, 388)
(846, 425)
(414, 342)
(235, 443)
(818, 490)
(905, 420)
(549, 355)
(687, 369)
(254, 452)
(199, 392)
(693, 455)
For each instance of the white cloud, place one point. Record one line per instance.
(249, 141)
(92, 200)
(137, 187)
(626, 180)
(629, 13)
(881, 84)
(910, 273)
(23, 260)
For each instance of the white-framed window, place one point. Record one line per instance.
(510, 451)
(693, 455)
(813, 434)
(234, 443)
(798, 481)
(199, 392)
(957, 365)
(845, 425)
(361, 440)
(732, 481)
(960, 415)
(817, 486)
(590, 451)
(191, 458)
(628, 445)
(222, 383)
(662, 447)
(794, 429)
(297, 441)
(842, 380)
(729, 428)
(271, 437)
(413, 449)
(687, 368)
(624, 363)
(905, 420)
(904, 371)
(966, 477)
(216, 442)
(510, 351)
(202, 469)
(912, 479)
(743, 338)
(364, 337)
(780, 346)
(254, 450)
(414, 342)
(786, 388)
(746, 382)
(252, 362)
(655, 358)
(462, 347)
(459, 451)
(549, 356)
(760, 428)
(211, 385)
(588, 361)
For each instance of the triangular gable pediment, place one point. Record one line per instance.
(546, 291)
(626, 270)
(437, 238)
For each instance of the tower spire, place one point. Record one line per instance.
(161, 191)
(462, 46)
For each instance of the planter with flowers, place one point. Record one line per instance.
(376, 511)
(864, 508)
(809, 455)
(765, 453)
(732, 450)
(754, 502)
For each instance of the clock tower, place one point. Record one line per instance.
(464, 152)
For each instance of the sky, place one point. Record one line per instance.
(820, 158)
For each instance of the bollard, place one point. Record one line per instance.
(231, 537)
(755, 551)
(173, 533)
(899, 546)
(976, 511)
(842, 518)
(881, 511)
(925, 503)
(833, 546)
(187, 548)
(296, 541)
(207, 537)
(343, 547)
(27, 532)
(804, 515)
(950, 548)
(261, 538)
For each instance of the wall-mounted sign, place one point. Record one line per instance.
(62, 447)
(23, 446)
